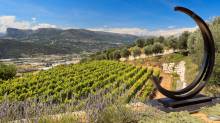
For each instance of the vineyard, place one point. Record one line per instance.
(64, 84)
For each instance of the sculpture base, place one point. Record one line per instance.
(191, 105)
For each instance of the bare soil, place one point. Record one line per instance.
(166, 83)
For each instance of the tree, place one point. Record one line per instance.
(172, 42)
(159, 39)
(116, 54)
(149, 41)
(216, 21)
(148, 50)
(136, 51)
(140, 43)
(216, 72)
(109, 53)
(182, 43)
(157, 48)
(7, 71)
(195, 46)
(191, 43)
(125, 52)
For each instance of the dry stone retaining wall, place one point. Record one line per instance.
(178, 68)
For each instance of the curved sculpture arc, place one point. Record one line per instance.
(207, 65)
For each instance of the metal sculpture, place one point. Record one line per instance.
(207, 65)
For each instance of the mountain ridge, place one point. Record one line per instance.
(58, 41)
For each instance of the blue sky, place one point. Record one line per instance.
(104, 15)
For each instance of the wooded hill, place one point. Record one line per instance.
(25, 43)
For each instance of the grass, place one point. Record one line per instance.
(212, 90)
(175, 78)
(214, 110)
(68, 118)
(191, 70)
(179, 117)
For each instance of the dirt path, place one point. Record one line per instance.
(166, 83)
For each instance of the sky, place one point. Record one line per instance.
(138, 17)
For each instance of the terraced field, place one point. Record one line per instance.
(64, 84)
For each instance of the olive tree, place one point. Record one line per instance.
(157, 48)
(148, 50)
(172, 42)
(140, 43)
(182, 41)
(136, 51)
(116, 54)
(125, 52)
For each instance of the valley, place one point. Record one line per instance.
(43, 62)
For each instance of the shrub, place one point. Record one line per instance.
(7, 71)
(116, 114)
(100, 57)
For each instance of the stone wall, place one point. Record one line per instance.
(142, 56)
(178, 68)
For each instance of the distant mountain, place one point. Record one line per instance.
(2, 34)
(23, 43)
(71, 35)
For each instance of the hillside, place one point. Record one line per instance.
(57, 41)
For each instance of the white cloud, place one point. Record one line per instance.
(43, 25)
(34, 19)
(173, 31)
(133, 31)
(146, 32)
(171, 27)
(10, 21)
